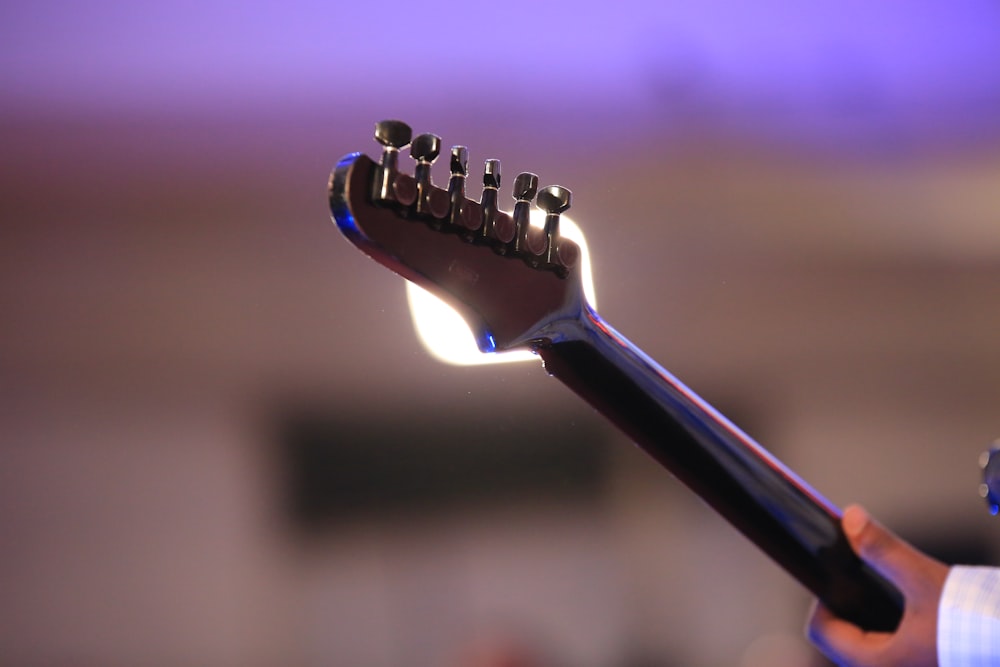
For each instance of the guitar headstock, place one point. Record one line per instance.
(509, 280)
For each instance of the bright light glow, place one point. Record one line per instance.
(446, 335)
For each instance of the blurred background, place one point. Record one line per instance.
(221, 443)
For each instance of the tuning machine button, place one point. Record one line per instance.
(491, 175)
(393, 135)
(425, 149)
(459, 162)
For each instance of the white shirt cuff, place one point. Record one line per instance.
(968, 632)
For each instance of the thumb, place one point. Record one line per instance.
(887, 554)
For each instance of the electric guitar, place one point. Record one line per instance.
(518, 286)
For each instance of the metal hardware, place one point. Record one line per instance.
(425, 149)
(554, 200)
(392, 135)
(488, 200)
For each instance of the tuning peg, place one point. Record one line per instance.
(425, 149)
(496, 225)
(392, 135)
(525, 187)
(461, 215)
(488, 200)
(460, 162)
(554, 200)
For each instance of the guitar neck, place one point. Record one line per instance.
(754, 491)
(517, 285)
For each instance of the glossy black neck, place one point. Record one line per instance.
(754, 491)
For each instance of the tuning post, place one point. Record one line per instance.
(393, 135)
(554, 200)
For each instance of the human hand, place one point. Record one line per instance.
(918, 577)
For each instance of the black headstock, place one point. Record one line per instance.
(507, 278)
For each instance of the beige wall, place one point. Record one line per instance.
(167, 288)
